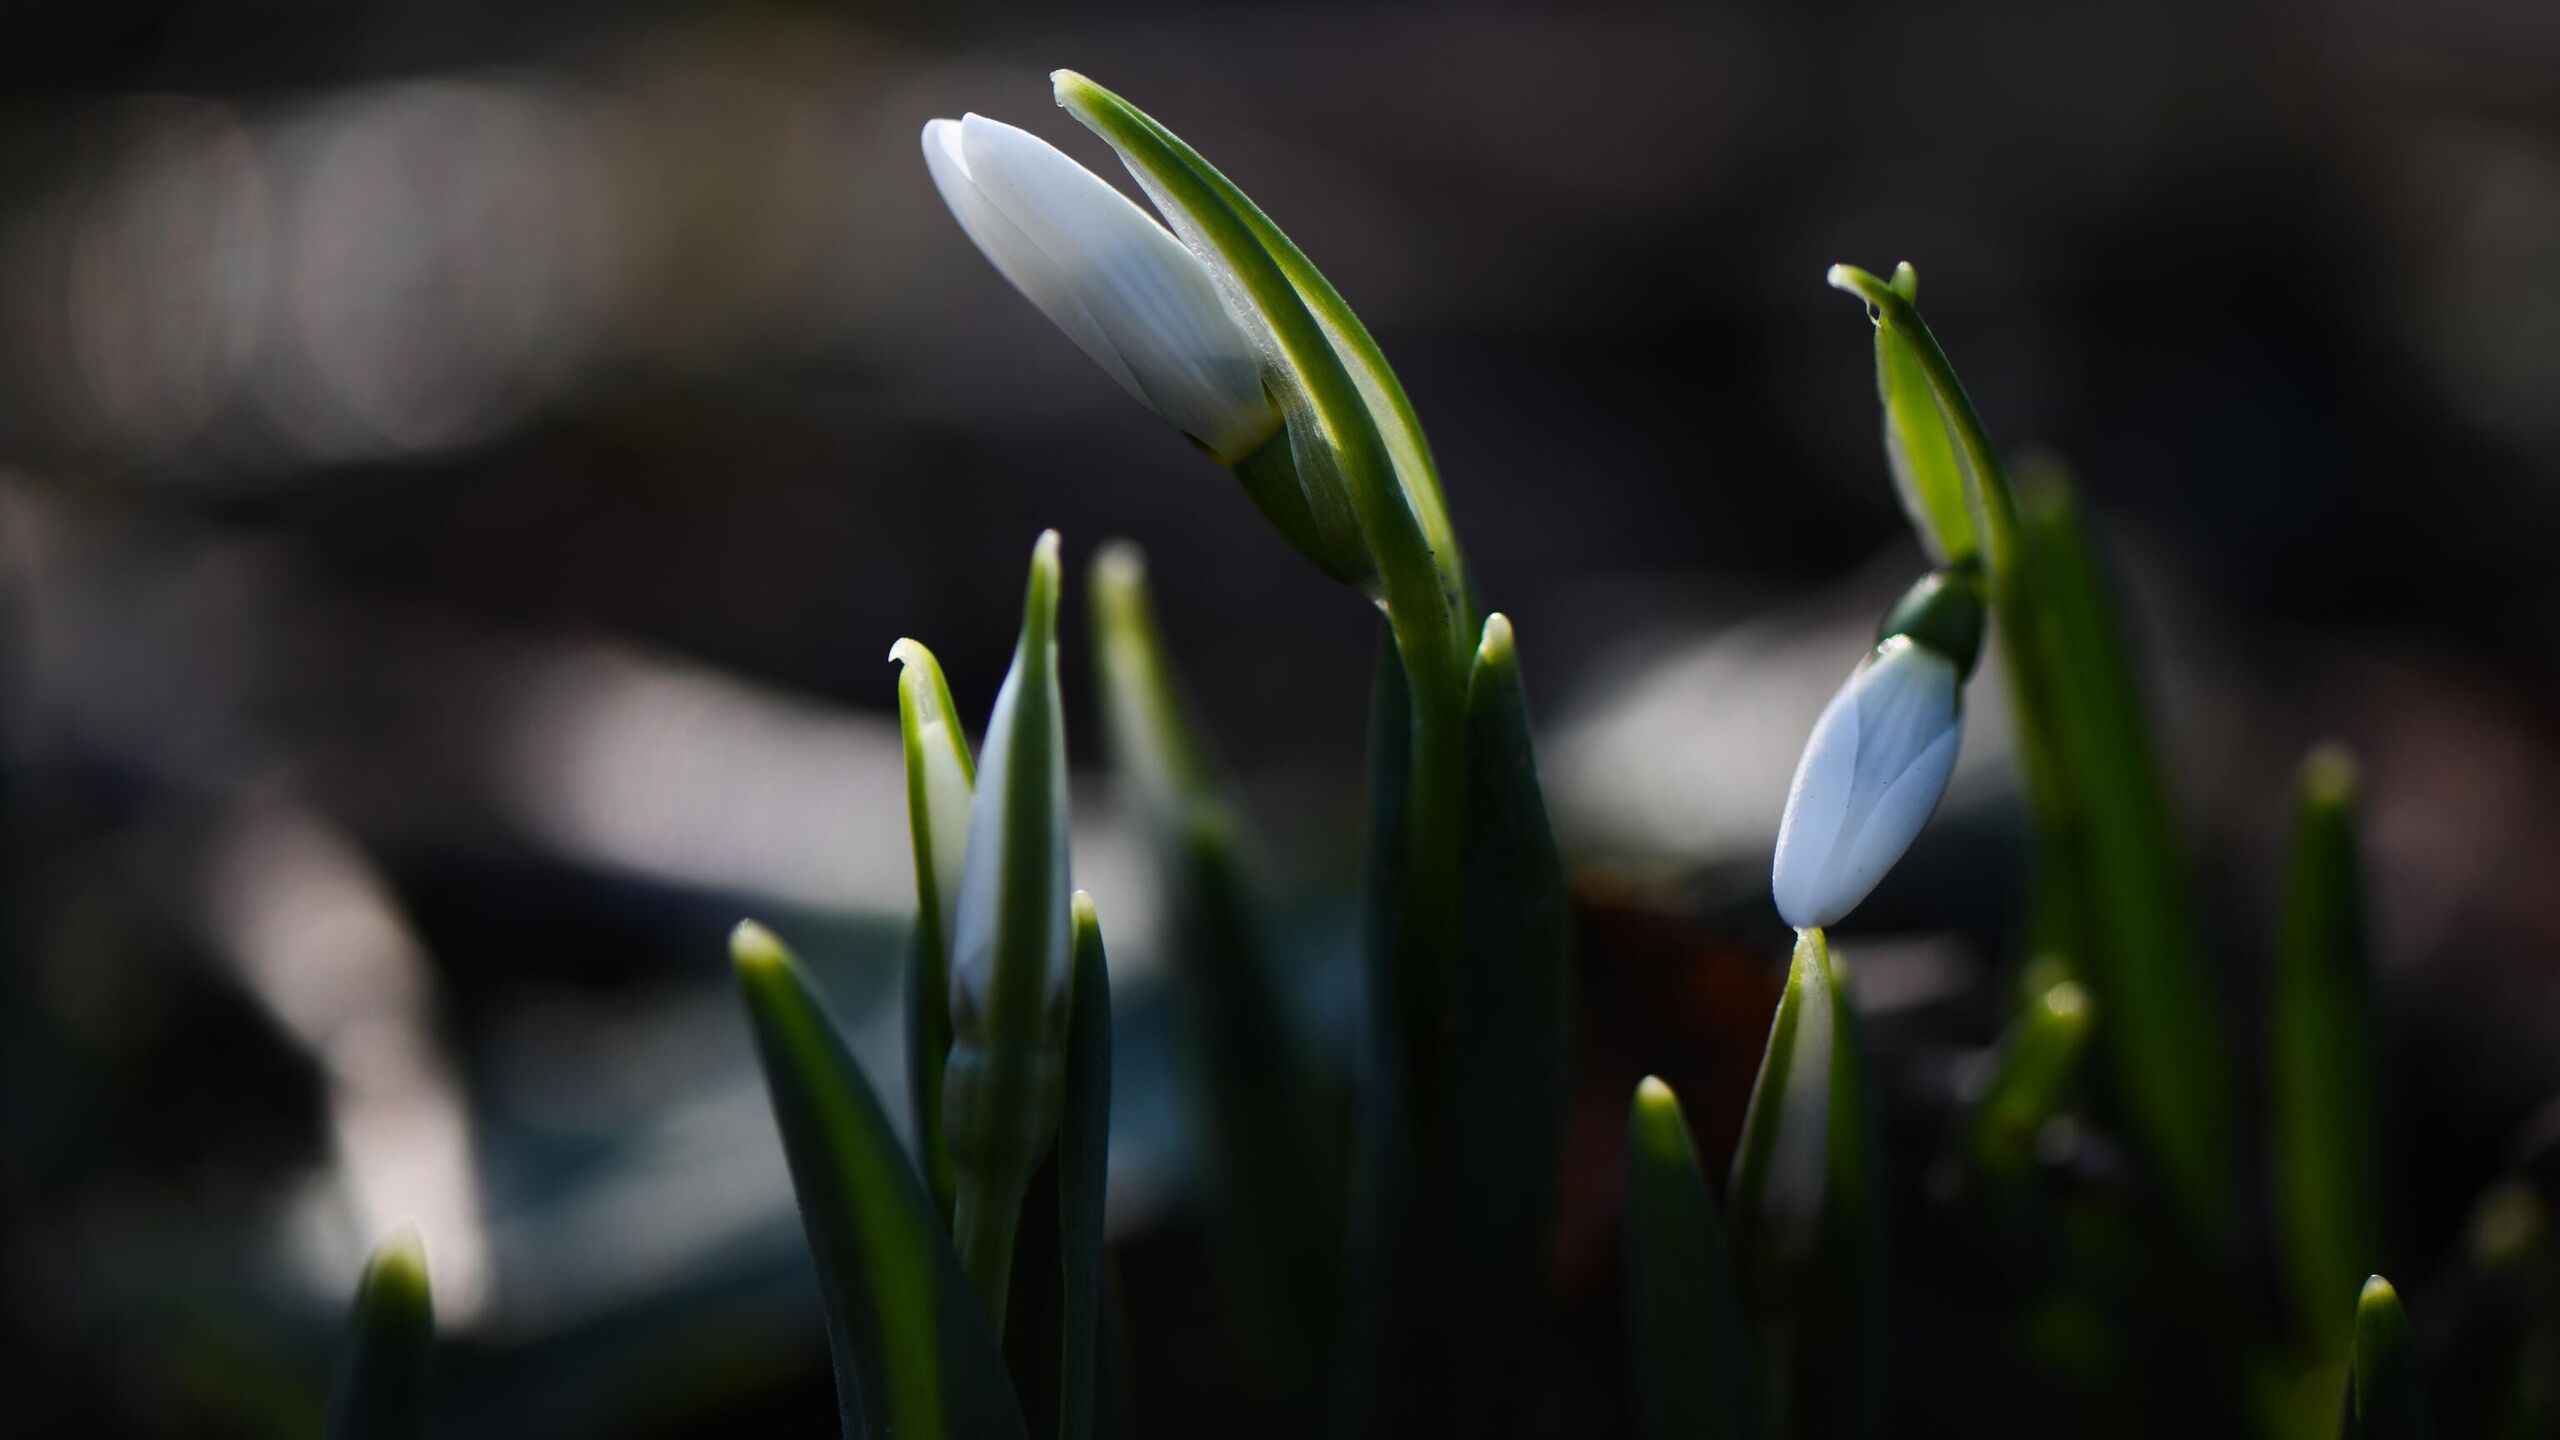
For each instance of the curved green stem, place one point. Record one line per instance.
(2010, 566)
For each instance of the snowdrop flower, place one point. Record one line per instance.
(1124, 289)
(1878, 759)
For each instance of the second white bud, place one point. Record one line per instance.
(1879, 758)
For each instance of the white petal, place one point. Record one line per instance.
(1152, 301)
(1874, 768)
(1817, 799)
(1025, 265)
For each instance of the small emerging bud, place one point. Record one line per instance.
(1874, 768)
(1120, 284)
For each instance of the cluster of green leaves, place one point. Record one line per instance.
(2108, 1284)
(1458, 1100)
(1379, 1234)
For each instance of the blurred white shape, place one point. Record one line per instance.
(445, 257)
(167, 279)
(683, 775)
(678, 773)
(313, 934)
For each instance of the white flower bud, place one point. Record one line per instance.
(1872, 771)
(1123, 288)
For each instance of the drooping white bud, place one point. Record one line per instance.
(1105, 271)
(1873, 770)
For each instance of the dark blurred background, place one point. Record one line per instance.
(462, 466)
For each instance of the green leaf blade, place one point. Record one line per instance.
(2141, 955)
(1084, 1154)
(2327, 1176)
(941, 775)
(2388, 1401)
(2036, 1063)
(380, 1390)
(1497, 1093)
(913, 1353)
(1010, 952)
(1691, 1354)
(1267, 1126)
(1781, 1166)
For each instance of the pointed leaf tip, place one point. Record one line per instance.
(1653, 1094)
(380, 1390)
(756, 950)
(399, 1264)
(2330, 777)
(1497, 646)
(1119, 565)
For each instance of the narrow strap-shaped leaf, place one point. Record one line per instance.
(1010, 953)
(2388, 1400)
(2142, 959)
(915, 1358)
(1691, 1355)
(1270, 1136)
(1054, 1310)
(940, 775)
(1836, 1355)
(1501, 1087)
(1782, 1164)
(1382, 1324)
(380, 1389)
(1084, 1153)
(2326, 1178)
(2031, 1073)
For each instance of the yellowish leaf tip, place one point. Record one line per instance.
(1119, 566)
(2377, 1292)
(1065, 83)
(1497, 646)
(2067, 1001)
(1082, 913)
(399, 1264)
(910, 653)
(1653, 1094)
(2330, 777)
(756, 950)
(1906, 282)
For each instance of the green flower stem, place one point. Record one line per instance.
(1359, 422)
(2010, 564)
(2109, 888)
